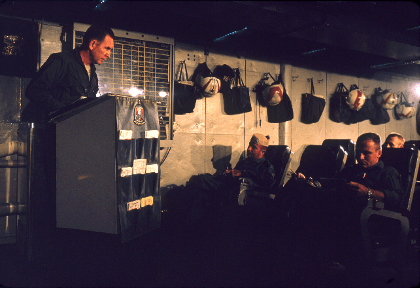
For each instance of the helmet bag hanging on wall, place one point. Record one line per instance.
(355, 98)
(386, 99)
(404, 109)
(206, 82)
(273, 94)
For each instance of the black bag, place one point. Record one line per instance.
(312, 106)
(283, 111)
(339, 110)
(226, 75)
(236, 100)
(380, 114)
(366, 112)
(184, 92)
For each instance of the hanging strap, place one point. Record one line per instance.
(182, 76)
(186, 72)
(238, 78)
(312, 87)
(403, 96)
(341, 88)
(179, 75)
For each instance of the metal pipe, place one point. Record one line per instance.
(7, 209)
(12, 163)
(13, 147)
(285, 128)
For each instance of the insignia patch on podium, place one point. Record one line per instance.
(139, 114)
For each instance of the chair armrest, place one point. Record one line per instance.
(248, 187)
(372, 210)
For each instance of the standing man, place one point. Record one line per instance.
(394, 140)
(68, 76)
(63, 79)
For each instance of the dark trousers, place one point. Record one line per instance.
(324, 221)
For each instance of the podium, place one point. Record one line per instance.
(107, 166)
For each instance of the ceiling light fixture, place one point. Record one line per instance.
(230, 34)
(314, 51)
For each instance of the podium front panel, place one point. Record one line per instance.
(85, 197)
(108, 168)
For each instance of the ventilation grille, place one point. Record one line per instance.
(142, 65)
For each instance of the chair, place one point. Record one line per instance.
(413, 143)
(385, 232)
(280, 157)
(348, 146)
(319, 161)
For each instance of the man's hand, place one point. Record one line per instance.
(235, 173)
(360, 189)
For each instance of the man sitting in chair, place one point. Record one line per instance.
(205, 194)
(332, 216)
(370, 178)
(394, 140)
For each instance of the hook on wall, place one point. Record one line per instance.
(309, 79)
(319, 81)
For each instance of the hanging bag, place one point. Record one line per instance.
(236, 100)
(404, 110)
(339, 110)
(312, 106)
(380, 115)
(283, 111)
(184, 92)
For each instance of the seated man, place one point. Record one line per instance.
(369, 178)
(394, 140)
(206, 193)
(332, 216)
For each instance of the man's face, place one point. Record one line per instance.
(101, 50)
(394, 142)
(255, 151)
(367, 154)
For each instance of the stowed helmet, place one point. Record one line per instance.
(404, 110)
(226, 75)
(273, 94)
(205, 81)
(387, 99)
(355, 99)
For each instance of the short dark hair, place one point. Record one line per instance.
(369, 136)
(96, 32)
(395, 134)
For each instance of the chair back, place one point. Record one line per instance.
(406, 162)
(348, 146)
(280, 157)
(413, 143)
(322, 161)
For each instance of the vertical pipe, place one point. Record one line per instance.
(29, 213)
(285, 128)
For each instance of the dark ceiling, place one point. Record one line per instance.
(352, 37)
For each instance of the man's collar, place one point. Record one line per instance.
(262, 159)
(380, 165)
(76, 52)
